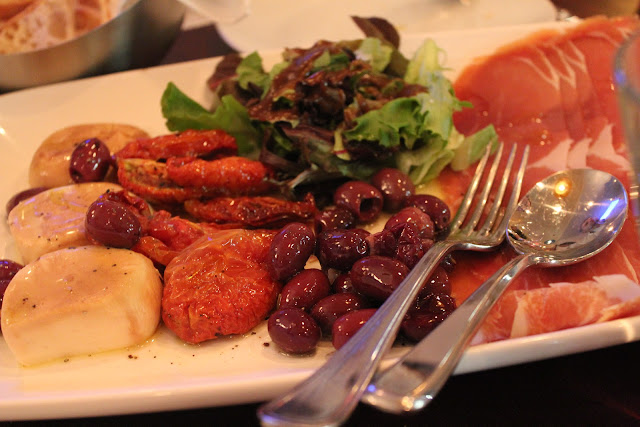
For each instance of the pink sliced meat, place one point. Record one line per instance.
(553, 91)
(561, 306)
(549, 88)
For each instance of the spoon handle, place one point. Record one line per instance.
(329, 396)
(412, 382)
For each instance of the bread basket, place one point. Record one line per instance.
(137, 37)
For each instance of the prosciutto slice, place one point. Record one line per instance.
(553, 91)
(560, 306)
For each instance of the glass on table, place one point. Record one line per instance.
(627, 80)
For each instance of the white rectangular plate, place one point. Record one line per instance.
(165, 373)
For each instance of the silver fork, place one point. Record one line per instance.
(331, 394)
(412, 382)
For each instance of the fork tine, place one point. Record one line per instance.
(461, 214)
(515, 192)
(495, 211)
(482, 200)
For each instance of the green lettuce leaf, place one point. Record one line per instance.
(425, 163)
(440, 102)
(424, 63)
(397, 122)
(418, 130)
(473, 146)
(250, 71)
(182, 113)
(375, 52)
(327, 61)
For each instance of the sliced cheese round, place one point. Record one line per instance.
(80, 301)
(50, 163)
(54, 219)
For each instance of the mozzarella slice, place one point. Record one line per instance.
(80, 301)
(54, 219)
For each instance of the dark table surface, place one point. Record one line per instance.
(600, 387)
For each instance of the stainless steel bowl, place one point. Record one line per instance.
(137, 37)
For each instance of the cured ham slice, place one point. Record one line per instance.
(553, 91)
(561, 306)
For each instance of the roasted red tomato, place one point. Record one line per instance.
(190, 143)
(184, 178)
(167, 235)
(219, 286)
(148, 179)
(224, 176)
(255, 212)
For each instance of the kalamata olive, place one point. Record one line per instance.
(290, 249)
(112, 224)
(395, 187)
(348, 325)
(377, 277)
(361, 198)
(90, 161)
(414, 216)
(383, 243)
(438, 283)
(305, 289)
(330, 308)
(293, 330)
(402, 242)
(4, 284)
(341, 248)
(434, 303)
(448, 263)
(343, 284)
(132, 201)
(416, 326)
(409, 245)
(432, 206)
(23, 195)
(441, 303)
(8, 269)
(427, 243)
(334, 217)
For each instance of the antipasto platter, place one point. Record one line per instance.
(166, 373)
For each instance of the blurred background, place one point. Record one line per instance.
(48, 41)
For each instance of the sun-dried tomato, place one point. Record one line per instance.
(190, 143)
(252, 211)
(219, 286)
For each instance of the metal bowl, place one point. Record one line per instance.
(137, 37)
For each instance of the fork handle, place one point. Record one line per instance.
(329, 396)
(413, 381)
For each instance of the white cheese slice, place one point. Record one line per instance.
(80, 301)
(54, 219)
(50, 163)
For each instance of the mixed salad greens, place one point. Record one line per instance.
(342, 108)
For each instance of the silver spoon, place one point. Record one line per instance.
(566, 218)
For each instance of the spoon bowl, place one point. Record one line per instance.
(569, 216)
(565, 218)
